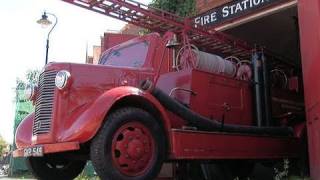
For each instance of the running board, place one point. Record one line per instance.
(189, 144)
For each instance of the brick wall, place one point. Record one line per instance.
(205, 5)
(96, 54)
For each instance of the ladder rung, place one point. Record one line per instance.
(158, 20)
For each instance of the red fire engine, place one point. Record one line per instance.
(184, 94)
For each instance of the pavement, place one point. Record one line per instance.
(4, 177)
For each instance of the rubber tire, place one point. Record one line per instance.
(40, 169)
(100, 151)
(300, 166)
(240, 169)
(190, 170)
(217, 172)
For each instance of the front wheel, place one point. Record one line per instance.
(54, 167)
(129, 146)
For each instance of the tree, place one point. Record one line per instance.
(3, 146)
(23, 105)
(32, 76)
(23, 108)
(183, 8)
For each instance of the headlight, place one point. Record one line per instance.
(62, 79)
(30, 91)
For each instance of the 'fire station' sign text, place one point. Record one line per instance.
(231, 10)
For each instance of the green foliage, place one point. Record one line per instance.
(144, 32)
(3, 146)
(83, 176)
(184, 8)
(20, 84)
(32, 76)
(24, 106)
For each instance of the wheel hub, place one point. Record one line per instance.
(132, 148)
(135, 149)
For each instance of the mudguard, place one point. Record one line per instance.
(87, 124)
(23, 137)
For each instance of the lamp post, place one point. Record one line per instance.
(45, 22)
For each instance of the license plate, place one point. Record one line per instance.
(36, 151)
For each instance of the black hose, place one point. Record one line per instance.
(206, 124)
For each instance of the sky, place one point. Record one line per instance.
(22, 43)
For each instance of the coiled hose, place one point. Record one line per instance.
(206, 124)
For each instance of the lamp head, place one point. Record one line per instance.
(44, 21)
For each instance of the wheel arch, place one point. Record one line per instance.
(24, 131)
(147, 105)
(87, 125)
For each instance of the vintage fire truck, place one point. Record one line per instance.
(187, 94)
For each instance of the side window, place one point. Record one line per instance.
(133, 55)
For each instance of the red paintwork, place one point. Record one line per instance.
(224, 91)
(216, 93)
(24, 132)
(309, 14)
(80, 109)
(133, 146)
(300, 130)
(210, 145)
(110, 40)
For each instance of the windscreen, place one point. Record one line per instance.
(133, 55)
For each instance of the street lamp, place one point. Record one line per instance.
(45, 22)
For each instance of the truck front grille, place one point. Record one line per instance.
(44, 103)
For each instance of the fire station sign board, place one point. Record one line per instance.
(231, 10)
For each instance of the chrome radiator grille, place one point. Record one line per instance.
(44, 103)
